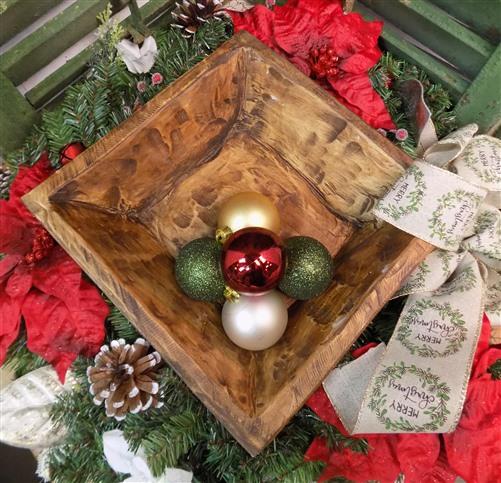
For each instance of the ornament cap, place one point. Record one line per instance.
(231, 295)
(222, 234)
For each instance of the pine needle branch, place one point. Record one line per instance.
(182, 433)
(386, 77)
(495, 370)
(20, 359)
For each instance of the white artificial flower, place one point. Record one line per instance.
(138, 60)
(122, 460)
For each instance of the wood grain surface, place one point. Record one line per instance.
(243, 119)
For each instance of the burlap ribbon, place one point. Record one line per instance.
(418, 382)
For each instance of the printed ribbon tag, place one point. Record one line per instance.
(432, 204)
(480, 162)
(409, 386)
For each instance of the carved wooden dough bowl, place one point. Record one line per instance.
(242, 120)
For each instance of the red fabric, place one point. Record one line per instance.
(319, 402)
(64, 315)
(474, 448)
(472, 451)
(362, 350)
(300, 27)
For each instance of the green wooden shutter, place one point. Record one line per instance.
(456, 42)
(69, 22)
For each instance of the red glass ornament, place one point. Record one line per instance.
(253, 260)
(70, 152)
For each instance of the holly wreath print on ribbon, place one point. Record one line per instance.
(422, 203)
(435, 324)
(436, 331)
(479, 162)
(454, 211)
(431, 273)
(407, 398)
(407, 195)
(449, 200)
(428, 336)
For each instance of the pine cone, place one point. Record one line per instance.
(189, 15)
(124, 377)
(5, 176)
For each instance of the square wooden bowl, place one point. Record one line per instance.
(242, 120)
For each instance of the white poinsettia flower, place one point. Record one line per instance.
(138, 60)
(122, 460)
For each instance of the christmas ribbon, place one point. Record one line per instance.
(418, 382)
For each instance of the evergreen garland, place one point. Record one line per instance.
(109, 94)
(495, 370)
(182, 433)
(19, 359)
(386, 77)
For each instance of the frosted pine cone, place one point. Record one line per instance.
(124, 377)
(189, 15)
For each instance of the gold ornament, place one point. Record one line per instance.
(249, 209)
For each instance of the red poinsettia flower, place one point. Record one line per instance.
(334, 48)
(472, 451)
(64, 314)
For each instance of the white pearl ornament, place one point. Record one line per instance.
(255, 323)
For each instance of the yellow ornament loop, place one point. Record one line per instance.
(230, 295)
(222, 234)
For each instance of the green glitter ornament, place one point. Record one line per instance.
(198, 270)
(309, 268)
